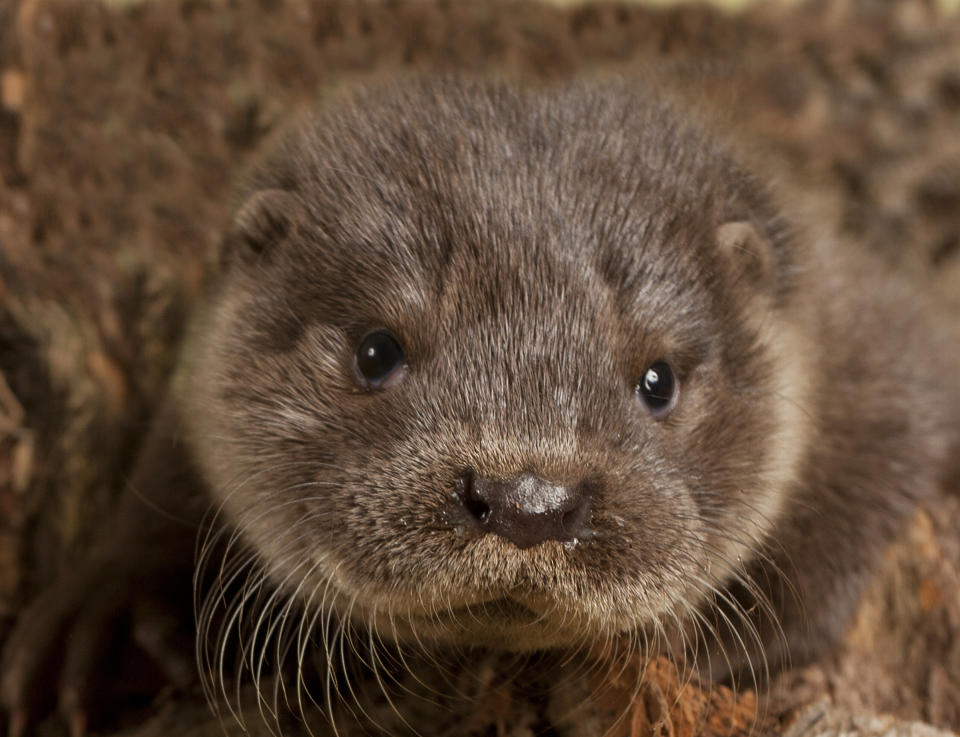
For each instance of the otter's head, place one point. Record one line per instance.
(499, 367)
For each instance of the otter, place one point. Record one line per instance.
(524, 369)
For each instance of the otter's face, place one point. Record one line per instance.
(497, 368)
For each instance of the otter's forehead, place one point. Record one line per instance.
(494, 190)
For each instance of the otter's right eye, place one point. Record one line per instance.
(658, 388)
(381, 362)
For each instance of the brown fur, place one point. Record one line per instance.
(534, 252)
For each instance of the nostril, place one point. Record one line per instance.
(578, 505)
(478, 508)
(575, 519)
(470, 497)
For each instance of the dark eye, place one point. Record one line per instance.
(380, 360)
(658, 388)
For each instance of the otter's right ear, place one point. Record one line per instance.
(264, 220)
(747, 254)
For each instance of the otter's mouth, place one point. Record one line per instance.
(496, 612)
(502, 623)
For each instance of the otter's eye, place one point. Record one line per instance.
(658, 388)
(381, 362)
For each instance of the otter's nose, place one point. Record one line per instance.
(526, 510)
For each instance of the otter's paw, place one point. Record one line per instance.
(94, 638)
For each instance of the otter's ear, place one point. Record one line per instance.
(748, 254)
(264, 220)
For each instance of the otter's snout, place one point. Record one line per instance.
(526, 510)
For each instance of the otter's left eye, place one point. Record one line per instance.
(658, 388)
(381, 361)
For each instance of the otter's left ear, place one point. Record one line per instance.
(264, 220)
(749, 255)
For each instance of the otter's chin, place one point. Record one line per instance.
(502, 624)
